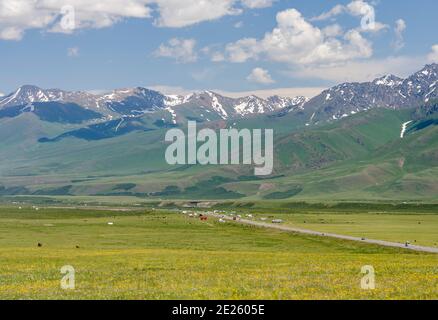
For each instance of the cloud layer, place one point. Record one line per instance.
(17, 16)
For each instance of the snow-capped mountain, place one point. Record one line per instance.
(335, 103)
(134, 101)
(385, 92)
(207, 102)
(291, 104)
(388, 81)
(131, 102)
(254, 105)
(213, 106)
(421, 86)
(29, 94)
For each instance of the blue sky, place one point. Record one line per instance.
(292, 47)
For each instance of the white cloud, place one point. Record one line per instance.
(182, 50)
(259, 75)
(181, 13)
(335, 11)
(356, 8)
(333, 30)
(359, 8)
(243, 50)
(17, 16)
(296, 41)
(376, 27)
(238, 25)
(73, 52)
(400, 27)
(255, 4)
(433, 56)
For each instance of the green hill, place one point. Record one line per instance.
(360, 157)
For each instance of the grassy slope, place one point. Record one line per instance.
(354, 137)
(169, 256)
(376, 163)
(358, 158)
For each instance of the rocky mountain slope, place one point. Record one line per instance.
(204, 106)
(386, 92)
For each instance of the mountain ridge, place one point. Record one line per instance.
(132, 102)
(332, 104)
(385, 92)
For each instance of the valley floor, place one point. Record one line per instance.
(152, 254)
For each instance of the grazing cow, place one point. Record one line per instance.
(204, 218)
(40, 245)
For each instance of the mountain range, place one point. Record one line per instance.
(386, 92)
(354, 141)
(135, 102)
(337, 102)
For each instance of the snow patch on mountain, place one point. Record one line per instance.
(279, 103)
(252, 105)
(386, 92)
(175, 100)
(172, 113)
(389, 81)
(219, 108)
(133, 102)
(404, 128)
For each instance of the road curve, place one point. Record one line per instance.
(329, 235)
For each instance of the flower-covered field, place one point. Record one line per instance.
(168, 255)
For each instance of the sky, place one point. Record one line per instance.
(286, 47)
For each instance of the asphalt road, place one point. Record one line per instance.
(330, 235)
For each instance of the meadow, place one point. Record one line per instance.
(416, 228)
(152, 254)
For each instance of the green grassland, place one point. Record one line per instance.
(151, 254)
(359, 158)
(418, 229)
